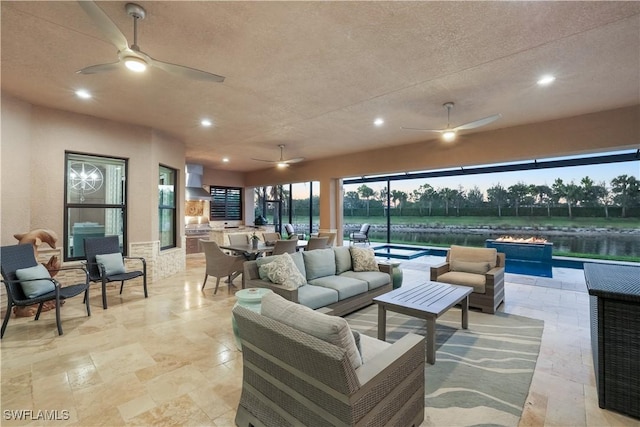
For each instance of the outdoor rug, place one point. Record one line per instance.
(481, 375)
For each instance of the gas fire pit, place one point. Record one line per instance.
(529, 255)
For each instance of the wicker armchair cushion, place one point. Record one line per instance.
(363, 259)
(332, 329)
(476, 281)
(113, 263)
(283, 271)
(343, 259)
(34, 288)
(464, 253)
(470, 266)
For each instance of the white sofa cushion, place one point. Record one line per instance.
(319, 263)
(332, 329)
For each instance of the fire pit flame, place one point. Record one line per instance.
(521, 239)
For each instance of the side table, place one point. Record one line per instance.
(250, 298)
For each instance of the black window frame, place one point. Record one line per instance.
(168, 207)
(72, 205)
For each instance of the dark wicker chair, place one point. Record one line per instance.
(361, 236)
(16, 257)
(110, 245)
(220, 264)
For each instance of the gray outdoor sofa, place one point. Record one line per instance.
(331, 282)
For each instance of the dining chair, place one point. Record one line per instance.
(105, 264)
(316, 243)
(27, 282)
(238, 239)
(271, 237)
(331, 237)
(284, 246)
(220, 264)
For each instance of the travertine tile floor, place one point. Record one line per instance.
(171, 359)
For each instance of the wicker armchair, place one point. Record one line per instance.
(291, 378)
(460, 268)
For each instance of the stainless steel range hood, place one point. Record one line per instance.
(194, 190)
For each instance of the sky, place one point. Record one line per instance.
(598, 173)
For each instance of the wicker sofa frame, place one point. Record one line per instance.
(291, 378)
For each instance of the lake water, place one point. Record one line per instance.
(618, 244)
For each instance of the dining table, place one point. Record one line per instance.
(252, 252)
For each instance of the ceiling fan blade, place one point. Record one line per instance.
(263, 160)
(105, 24)
(187, 72)
(478, 123)
(294, 160)
(100, 68)
(423, 130)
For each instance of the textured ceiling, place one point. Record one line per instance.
(314, 75)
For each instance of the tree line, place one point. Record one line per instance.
(622, 192)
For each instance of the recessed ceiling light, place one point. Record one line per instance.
(378, 121)
(82, 93)
(206, 122)
(546, 80)
(225, 160)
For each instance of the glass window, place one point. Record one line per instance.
(167, 207)
(95, 201)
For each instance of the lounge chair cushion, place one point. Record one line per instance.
(464, 253)
(476, 281)
(113, 263)
(283, 271)
(35, 288)
(363, 259)
(332, 329)
(470, 266)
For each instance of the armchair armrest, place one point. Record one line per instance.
(494, 277)
(289, 294)
(438, 270)
(144, 262)
(404, 357)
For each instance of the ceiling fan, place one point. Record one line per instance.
(282, 163)
(132, 57)
(449, 133)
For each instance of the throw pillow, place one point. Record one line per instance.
(283, 271)
(113, 263)
(470, 266)
(332, 329)
(363, 259)
(35, 288)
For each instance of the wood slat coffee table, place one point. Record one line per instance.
(427, 301)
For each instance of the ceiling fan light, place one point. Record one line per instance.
(282, 165)
(448, 135)
(135, 64)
